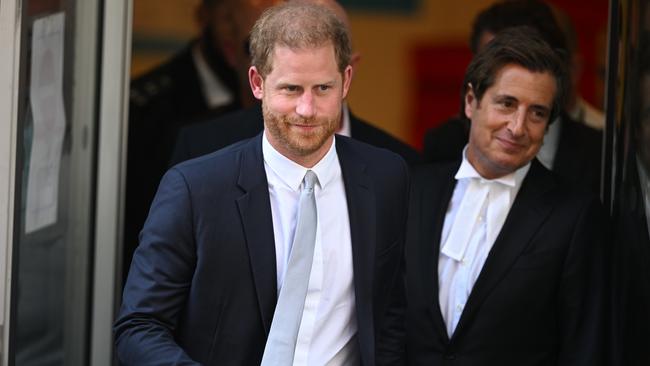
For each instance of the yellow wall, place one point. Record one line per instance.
(380, 89)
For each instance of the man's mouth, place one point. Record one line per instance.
(509, 144)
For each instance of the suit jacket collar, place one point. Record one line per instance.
(255, 210)
(433, 204)
(361, 209)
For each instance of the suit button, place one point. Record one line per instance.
(450, 356)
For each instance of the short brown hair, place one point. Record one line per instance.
(522, 46)
(298, 25)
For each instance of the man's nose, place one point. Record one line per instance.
(517, 123)
(305, 106)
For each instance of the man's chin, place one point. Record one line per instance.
(306, 146)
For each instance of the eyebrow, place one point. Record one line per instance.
(499, 97)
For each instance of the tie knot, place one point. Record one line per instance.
(310, 180)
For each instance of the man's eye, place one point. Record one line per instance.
(291, 88)
(540, 115)
(323, 88)
(507, 103)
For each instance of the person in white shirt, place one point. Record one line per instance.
(503, 261)
(283, 249)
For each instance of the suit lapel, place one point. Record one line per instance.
(432, 209)
(255, 210)
(528, 213)
(360, 195)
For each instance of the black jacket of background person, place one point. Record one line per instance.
(161, 102)
(203, 138)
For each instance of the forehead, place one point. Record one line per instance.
(528, 86)
(312, 61)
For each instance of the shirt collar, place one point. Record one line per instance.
(345, 121)
(215, 92)
(292, 174)
(513, 180)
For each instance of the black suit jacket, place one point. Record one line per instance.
(212, 135)
(631, 278)
(161, 102)
(577, 160)
(539, 297)
(202, 284)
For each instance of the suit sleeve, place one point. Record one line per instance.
(158, 281)
(583, 289)
(392, 336)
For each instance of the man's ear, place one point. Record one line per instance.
(256, 81)
(347, 80)
(354, 62)
(470, 98)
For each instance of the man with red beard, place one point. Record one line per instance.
(282, 249)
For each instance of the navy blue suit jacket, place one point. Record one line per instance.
(202, 284)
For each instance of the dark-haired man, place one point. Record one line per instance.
(570, 149)
(283, 249)
(504, 262)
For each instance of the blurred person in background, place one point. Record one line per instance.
(206, 78)
(577, 107)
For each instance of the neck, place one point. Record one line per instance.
(483, 166)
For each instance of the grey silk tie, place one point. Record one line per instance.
(281, 343)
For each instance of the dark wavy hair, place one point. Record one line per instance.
(522, 46)
(514, 13)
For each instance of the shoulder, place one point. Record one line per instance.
(213, 134)
(244, 122)
(433, 175)
(446, 141)
(368, 133)
(566, 197)
(581, 133)
(370, 155)
(223, 164)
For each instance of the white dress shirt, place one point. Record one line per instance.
(328, 329)
(215, 92)
(474, 218)
(546, 154)
(345, 121)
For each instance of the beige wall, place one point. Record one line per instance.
(380, 89)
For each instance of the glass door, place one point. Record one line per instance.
(54, 184)
(63, 86)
